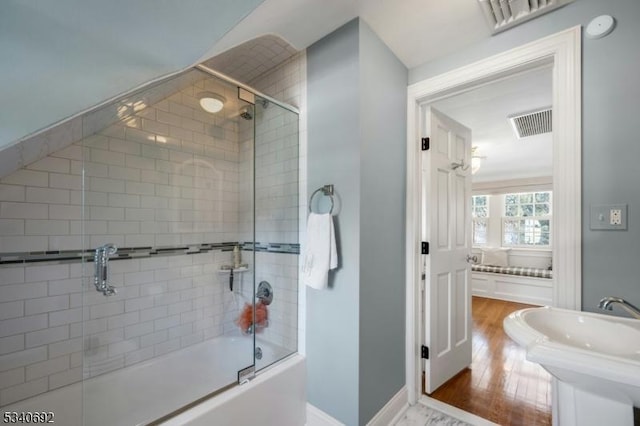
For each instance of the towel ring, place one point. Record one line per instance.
(327, 190)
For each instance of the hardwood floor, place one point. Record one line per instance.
(501, 385)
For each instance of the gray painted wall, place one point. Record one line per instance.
(610, 132)
(334, 157)
(383, 109)
(356, 97)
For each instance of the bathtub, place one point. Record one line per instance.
(150, 390)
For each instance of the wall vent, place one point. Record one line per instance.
(531, 123)
(504, 14)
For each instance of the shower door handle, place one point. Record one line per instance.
(101, 263)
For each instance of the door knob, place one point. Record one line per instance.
(472, 259)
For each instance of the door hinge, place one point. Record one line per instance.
(425, 144)
(424, 249)
(424, 352)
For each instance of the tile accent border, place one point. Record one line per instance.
(76, 256)
(290, 248)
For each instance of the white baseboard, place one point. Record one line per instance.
(392, 410)
(388, 415)
(317, 417)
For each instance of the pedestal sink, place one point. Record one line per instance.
(594, 359)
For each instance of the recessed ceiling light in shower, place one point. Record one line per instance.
(211, 102)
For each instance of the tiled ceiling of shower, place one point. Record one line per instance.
(252, 59)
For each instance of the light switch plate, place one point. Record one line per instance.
(601, 217)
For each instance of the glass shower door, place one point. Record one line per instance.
(168, 282)
(277, 245)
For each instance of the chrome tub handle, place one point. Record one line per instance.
(101, 263)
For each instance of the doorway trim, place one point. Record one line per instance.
(563, 50)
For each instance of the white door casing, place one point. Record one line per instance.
(446, 226)
(563, 50)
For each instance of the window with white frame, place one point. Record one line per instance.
(480, 219)
(527, 219)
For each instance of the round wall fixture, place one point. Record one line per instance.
(211, 102)
(265, 293)
(600, 26)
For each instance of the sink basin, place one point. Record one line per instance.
(592, 332)
(595, 353)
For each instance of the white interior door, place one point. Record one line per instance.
(446, 225)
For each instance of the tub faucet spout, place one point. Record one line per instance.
(607, 303)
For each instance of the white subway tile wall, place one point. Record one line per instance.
(281, 196)
(168, 175)
(281, 271)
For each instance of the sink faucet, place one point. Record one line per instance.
(607, 303)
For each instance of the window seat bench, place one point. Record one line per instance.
(517, 284)
(514, 270)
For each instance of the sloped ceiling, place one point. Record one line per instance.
(61, 57)
(252, 59)
(415, 30)
(58, 58)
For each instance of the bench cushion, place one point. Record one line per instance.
(514, 270)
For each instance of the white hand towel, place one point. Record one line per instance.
(320, 254)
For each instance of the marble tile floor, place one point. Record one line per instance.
(421, 414)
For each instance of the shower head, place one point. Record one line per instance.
(245, 112)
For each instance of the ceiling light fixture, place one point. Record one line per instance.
(211, 102)
(476, 160)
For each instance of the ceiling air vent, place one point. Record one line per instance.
(504, 14)
(531, 123)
